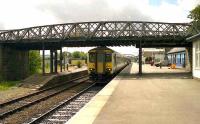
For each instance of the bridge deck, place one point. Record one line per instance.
(163, 99)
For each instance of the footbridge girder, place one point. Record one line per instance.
(103, 33)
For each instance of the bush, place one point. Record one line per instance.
(79, 64)
(5, 85)
(34, 62)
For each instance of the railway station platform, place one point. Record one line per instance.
(160, 96)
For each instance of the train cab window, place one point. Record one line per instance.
(108, 57)
(92, 57)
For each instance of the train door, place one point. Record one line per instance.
(100, 62)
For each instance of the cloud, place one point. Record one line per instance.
(188, 4)
(23, 13)
(27, 13)
(2, 26)
(172, 12)
(93, 10)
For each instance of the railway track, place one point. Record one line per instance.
(61, 113)
(22, 109)
(16, 105)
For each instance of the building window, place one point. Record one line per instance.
(174, 58)
(197, 55)
(177, 58)
(183, 58)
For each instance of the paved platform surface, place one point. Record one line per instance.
(154, 98)
(37, 81)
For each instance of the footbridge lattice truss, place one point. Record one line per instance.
(96, 30)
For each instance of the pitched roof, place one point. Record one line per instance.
(176, 50)
(153, 50)
(193, 38)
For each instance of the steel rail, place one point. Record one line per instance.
(36, 93)
(38, 119)
(41, 117)
(10, 112)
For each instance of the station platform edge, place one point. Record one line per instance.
(90, 111)
(159, 96)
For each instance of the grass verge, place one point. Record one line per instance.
(5, 85)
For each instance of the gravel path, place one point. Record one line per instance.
(14, 92)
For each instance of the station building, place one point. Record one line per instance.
(196, 55)
(153, 54)
(177, 56)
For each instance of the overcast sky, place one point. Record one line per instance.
(27, 13)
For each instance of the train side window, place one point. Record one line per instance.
(108, 57)
(92, 57)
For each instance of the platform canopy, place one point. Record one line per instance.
(193, 38)
(103, 33)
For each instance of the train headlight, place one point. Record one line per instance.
(108, 69)
(91, 69)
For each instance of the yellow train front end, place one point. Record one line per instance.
(100, 62)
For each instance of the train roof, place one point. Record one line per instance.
(106, 48)
(101, 48)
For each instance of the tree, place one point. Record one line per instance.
(80, 55)
(67, 54)
(83, 55)
(195, 16)
(76, 54)
(34, 62)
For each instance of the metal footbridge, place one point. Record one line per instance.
(103, 33)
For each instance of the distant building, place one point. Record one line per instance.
(196, 55)
(153, 54)
(177, 56)
(131, 57)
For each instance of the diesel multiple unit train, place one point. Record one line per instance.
(104, 62)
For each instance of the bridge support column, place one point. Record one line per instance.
(188, 58)
(64, 63)
(43, 61)
(14, 63)
(51, 61)
(61, 56)
(140, 58)
(55, 61)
